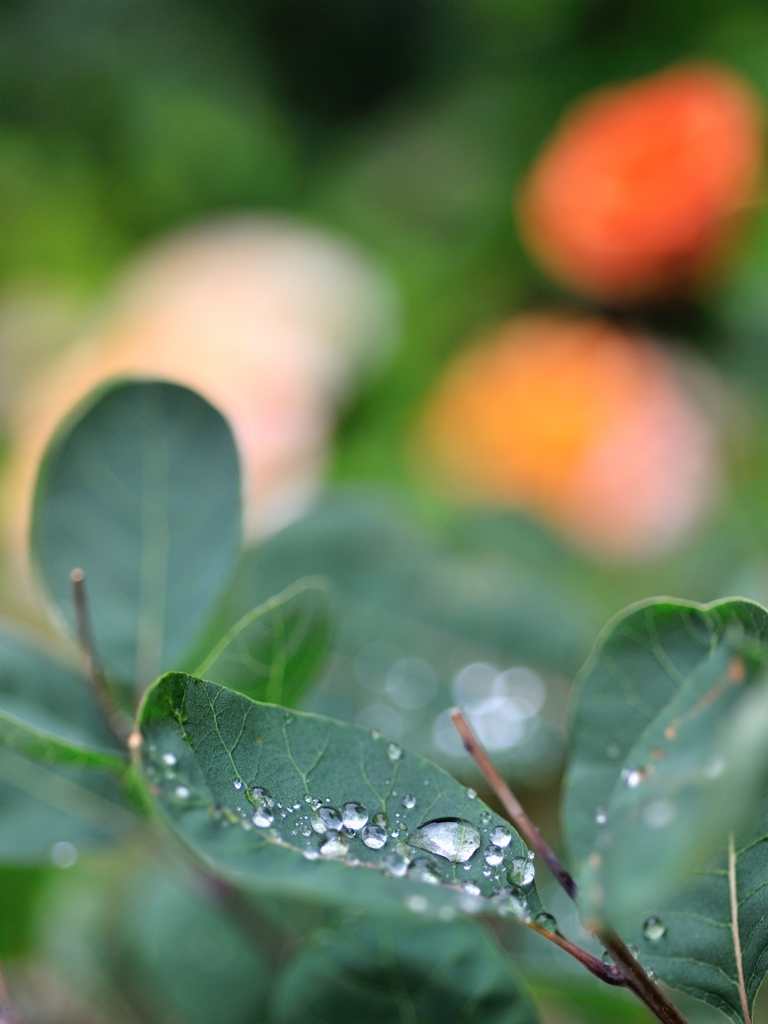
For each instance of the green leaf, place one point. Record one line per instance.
(18, 735)
(392, 970)
(205, 749)
(142, 491)
(276, 650)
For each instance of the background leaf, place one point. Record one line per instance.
(142, 491)
(206, 748)
(389, 971)
(275, 651)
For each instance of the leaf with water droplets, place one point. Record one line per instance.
(440, 972)
(317, 847)
(141, 489)
(274, 652)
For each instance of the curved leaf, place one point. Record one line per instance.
(276, 650)
(18, 735)
(142, 491)
(390, 971)
(206, 748)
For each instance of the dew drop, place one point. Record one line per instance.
(511, 903)
(238, 784)
(375, 734)
(471, 888)
(452, 838)
(521, 872)
(335, 846)
(394, 753)
(287, 717)
(182, 793)
(471, 793)
(381, 819)
(485, 817)
(374, 836)
(654, 929)
(470, 904)
(309, 854)
(546, 922)
(327, 819)
(307, 798)
(607, 959)
(395, 864)
(500, 836)
(417, 904)
(601, 816)
(63, 854)
(409, 801)
(632, 776)
(262, 797)
(494, 856)
(170, 759)
(633, 950)
(354, 815)
(424, 870)
(262, 817)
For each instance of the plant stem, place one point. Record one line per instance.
(118, 721)
(7, 1013)
(634, 975)
(610, 975)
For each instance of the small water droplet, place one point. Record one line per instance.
(63, 854)
(471, 888)
(471, 793)
(607, 959)
(395, 864)
(262, 797)
(170, 759)
(470, 904)
(394, 753)
(500, 836)
(287, 717)
(307, 798)
(374, 836)
(305, 830)
(632, 776)
(309, 854)
(375, 734)
(546, 922)
(511, 903)
(651, 973)
(484, 817)
(633, 950)
(654, 929)
(380, 819)
(424, 870)
(316, 804)
(238, 784)
(452, 838)
(327, 819)
(521, 872)
(531, 854)
(493, 856)
(417, 904)
(335, 846)
(409, 801)
(182, 793)
(262, 817)
(354, 815)
(601, 816)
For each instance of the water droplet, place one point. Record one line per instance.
(238, 784)
(633, 950)
(395, 864)
(493, 856)
(409, 801)
(612, 751)
(287, 717)
(607, 959)
(651, 973)
(452, 838)
(500, 836)
(531, 854)
(511, 903)
(170, 759)
(307, 798)
(485, 817)
(381, 819)
(471, 793)
(418, 904)
(632, 776)
(394, 753)
(654, 929)
(262, 797)
(470, 904)
(315, 804)
(182, 793)
(309, 854)
(262, 817)
(546, 922)
(521, 872)
(424, 870)
(63, 854)
(375, 734)
(327, 819)
(374, 836)
(305, 830)
(335, 846)
(471, 888)
(354, 815)
(601, 816)
(658, 813)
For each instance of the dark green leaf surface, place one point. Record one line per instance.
(206, 747)
(142, 491)
(275, 651)
(391, 971)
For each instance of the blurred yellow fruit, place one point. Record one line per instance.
(586, 427)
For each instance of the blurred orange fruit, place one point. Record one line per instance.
(590, 429)
(636, 193)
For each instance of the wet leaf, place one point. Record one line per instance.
(142, 491)
(274, 652)
(392, 970)
(259, 793)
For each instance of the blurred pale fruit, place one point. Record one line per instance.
(636, 194)
(580, 424)
(269, 320)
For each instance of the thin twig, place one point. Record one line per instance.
(511, 804)
(117, 720)
(7, 1013)
(635, 977)
(610, 975)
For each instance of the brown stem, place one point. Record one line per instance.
(635, 977)
(610, 975)
(117, 720)
(7, 1013)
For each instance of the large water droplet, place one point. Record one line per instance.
(546, 922)
(409, 801)
(500, 836)
(521, 872)
(493, 856)
(654, 929)
(374, 836)
(327, 819)
(335, 846)
(452, 838)
(354, 815)
(169, 759)
(394, 753)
